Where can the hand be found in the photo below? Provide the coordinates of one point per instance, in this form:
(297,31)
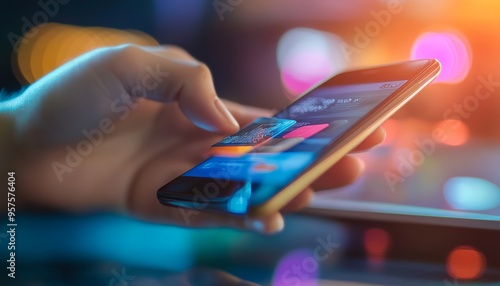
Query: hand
(109,128)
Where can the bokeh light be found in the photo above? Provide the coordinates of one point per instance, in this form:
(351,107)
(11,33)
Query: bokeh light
(471,194)
(376,242)
(298,267)
(465,262)
(451,49)
(53,44)
(455,132)
(307,56)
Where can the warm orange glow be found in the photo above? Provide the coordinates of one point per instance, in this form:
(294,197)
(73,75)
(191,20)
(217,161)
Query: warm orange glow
(230,150)
(465,262)
(83,41)
(40,49)
(141,38)
(50,59)
(24,55)
(51,45)
(405,130)
(454,132)
(376,242)
(479,11)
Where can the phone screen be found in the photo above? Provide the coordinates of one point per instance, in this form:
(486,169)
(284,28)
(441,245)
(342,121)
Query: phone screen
(252,165)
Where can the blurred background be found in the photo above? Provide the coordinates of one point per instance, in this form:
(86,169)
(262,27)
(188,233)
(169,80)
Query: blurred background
(266,53)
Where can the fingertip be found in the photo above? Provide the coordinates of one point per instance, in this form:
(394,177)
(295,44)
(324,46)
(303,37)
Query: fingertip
(279,224)
(382,134)
(361,164)
(212,116)
(227,121)
(268,225)
(355,170)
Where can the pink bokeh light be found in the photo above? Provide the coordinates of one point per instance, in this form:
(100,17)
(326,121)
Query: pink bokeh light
(308,56)
(305,70)
(451,49)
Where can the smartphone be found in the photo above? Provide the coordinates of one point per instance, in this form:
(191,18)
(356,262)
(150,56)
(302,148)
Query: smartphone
(260,168)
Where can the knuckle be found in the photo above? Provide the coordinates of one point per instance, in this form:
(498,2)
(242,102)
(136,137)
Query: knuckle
(175,48)
(126,53)
(201,71)
(129,50)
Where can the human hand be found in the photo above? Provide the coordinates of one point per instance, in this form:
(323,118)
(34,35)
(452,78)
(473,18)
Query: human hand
(109,128)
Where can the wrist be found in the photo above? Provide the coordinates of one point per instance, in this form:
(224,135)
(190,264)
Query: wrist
(10,143)
(7,133)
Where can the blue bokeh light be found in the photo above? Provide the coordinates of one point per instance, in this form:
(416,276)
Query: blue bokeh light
(471,194)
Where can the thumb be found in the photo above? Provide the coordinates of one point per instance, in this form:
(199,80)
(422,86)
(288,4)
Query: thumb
(175,79)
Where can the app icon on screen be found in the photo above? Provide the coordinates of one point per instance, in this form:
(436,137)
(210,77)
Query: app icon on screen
(264,167)
(257,132)
(306,131)
(230,151)
(254,134)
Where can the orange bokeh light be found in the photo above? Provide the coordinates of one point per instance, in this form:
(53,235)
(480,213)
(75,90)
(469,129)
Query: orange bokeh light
(41,48)
(455,132)
(465,262)
(51,45)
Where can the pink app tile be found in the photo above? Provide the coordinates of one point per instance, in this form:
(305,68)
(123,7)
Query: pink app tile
(306,131)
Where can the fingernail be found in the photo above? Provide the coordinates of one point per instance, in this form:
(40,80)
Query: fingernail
(261,227)
(224,112)
(361,164)
(280,224)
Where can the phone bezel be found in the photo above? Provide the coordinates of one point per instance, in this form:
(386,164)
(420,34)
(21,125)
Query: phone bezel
(422,73)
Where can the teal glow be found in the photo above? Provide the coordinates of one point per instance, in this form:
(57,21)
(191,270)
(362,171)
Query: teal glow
(471,194)
(105,237)
(238,204)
